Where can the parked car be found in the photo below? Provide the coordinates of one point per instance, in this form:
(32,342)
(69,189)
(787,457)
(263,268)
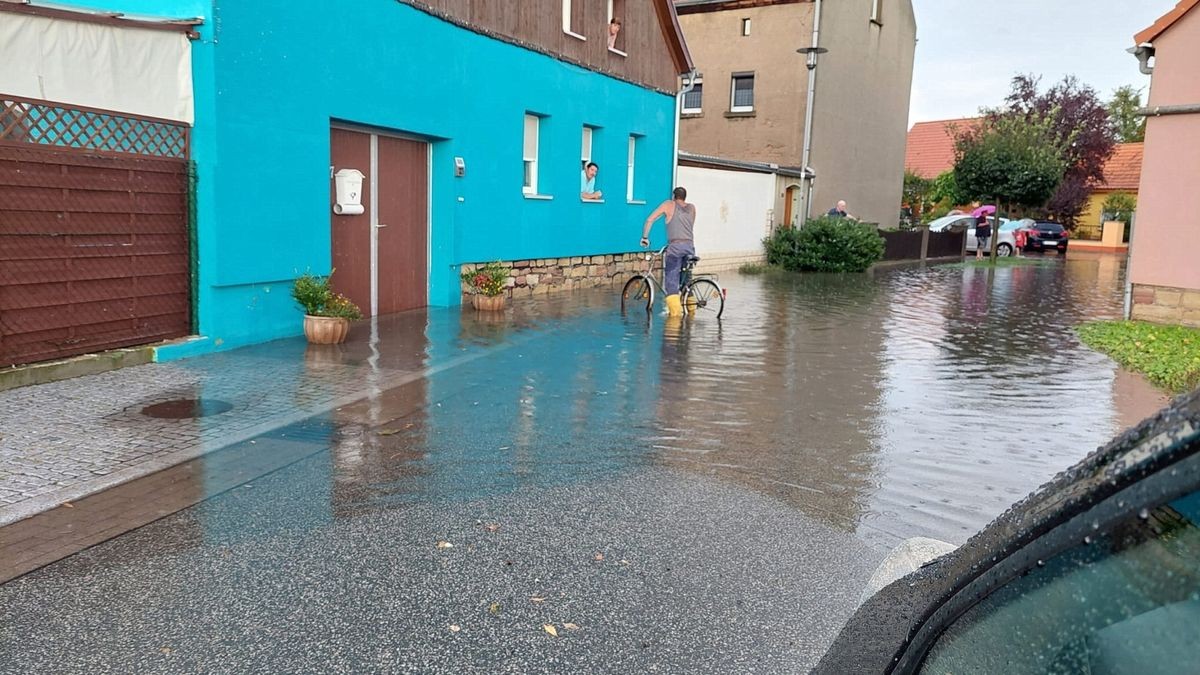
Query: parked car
(1004,247)
(1098,571)
(1047,236)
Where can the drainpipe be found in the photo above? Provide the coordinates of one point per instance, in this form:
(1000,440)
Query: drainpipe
(690,84)
(1144,52)
(813,50)
(1160,110)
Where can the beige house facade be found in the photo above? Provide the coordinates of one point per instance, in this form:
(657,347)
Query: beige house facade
(1162,269)
(751,100)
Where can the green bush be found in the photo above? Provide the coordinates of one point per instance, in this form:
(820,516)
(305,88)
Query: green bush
(825,245)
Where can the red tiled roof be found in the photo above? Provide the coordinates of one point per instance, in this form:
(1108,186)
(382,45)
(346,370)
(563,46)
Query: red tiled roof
(1165,21)
(1123,171)
(930,149)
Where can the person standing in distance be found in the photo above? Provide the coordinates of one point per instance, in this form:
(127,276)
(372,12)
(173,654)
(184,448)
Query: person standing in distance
(680,216)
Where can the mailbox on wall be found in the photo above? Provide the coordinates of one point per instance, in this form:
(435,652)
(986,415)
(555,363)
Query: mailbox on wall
(348,190)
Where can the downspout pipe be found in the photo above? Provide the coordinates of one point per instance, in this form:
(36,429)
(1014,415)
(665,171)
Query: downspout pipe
(806,190)
(1180,109)
(688,85)
(1144,52)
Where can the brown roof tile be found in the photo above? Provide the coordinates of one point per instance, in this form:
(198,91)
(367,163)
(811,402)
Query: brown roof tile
(1123,170)
(930,149)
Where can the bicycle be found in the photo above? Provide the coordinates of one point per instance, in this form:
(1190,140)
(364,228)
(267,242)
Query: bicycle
(696,292)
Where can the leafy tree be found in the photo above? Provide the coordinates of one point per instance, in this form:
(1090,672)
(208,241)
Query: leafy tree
(1080,129)
(1010,158)
(916,193)
(1128,126)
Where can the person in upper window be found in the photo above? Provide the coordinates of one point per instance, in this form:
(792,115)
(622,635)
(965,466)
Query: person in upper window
(614,28)
(587,182)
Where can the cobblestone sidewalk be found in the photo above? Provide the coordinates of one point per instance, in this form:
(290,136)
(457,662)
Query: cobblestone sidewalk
(64,440)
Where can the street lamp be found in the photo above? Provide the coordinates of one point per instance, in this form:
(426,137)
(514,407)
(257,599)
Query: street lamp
(810,54)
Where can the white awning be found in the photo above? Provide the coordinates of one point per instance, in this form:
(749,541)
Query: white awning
(121,68)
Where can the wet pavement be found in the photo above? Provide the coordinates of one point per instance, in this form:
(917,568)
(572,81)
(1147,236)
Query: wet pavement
(694,496)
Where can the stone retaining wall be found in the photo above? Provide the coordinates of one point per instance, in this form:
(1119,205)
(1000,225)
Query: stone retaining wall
(1162,304)
(551,275)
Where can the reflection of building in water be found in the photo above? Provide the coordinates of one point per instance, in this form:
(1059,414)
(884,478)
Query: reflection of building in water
(783,402)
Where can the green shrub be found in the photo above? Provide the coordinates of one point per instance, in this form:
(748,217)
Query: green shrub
(825,245)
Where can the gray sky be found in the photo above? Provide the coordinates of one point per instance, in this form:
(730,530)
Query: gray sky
(969,50)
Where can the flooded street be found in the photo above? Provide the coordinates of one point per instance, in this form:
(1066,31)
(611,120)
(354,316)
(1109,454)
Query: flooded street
(691,496)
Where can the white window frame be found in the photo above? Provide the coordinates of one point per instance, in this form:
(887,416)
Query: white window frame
(566,20)
(733,88)
(530,163)
(631,164)
(746,27)
(877,12)
(611,13)
(585,154)
(683,104)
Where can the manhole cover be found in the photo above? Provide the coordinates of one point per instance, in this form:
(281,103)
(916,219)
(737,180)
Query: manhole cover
(187,408)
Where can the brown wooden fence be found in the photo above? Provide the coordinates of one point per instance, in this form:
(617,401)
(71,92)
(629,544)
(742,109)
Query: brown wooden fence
(913,245)
(94,231)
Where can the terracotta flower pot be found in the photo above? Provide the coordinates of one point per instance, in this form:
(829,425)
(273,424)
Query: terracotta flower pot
(325,330)
(487,303)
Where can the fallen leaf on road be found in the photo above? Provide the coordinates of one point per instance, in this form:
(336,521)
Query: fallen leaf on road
(445,544)
(599,556)
(388,432)
(494,608)
(537,599)
(549,628)
(624,562)
(570,626)
(165,650)
(69,505)
(491,527)
(454,628)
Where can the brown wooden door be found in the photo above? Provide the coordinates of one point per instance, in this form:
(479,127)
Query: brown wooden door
(350,236)
(396,170)
(403,217)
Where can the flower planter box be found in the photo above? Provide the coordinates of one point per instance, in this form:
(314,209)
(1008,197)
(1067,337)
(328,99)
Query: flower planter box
(325,330)
(487,303)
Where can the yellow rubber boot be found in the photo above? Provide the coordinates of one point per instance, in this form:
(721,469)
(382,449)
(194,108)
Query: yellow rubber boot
(674,307)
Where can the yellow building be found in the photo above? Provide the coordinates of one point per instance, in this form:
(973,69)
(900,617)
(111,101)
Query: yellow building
(1122,173)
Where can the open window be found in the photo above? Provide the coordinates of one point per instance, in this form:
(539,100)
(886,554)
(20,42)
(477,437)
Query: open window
(616,27)
(572,18)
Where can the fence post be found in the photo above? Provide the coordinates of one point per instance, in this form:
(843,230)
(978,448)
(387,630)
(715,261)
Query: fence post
(924,243)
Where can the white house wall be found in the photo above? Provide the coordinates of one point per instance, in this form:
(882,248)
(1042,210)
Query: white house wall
(733,214)
(125,69)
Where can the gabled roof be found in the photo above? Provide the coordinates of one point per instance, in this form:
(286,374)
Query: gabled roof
(1123,170)
(930,148)
(673,33)
(1165,22)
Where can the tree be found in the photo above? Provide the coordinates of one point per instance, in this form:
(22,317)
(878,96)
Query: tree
(1119,206)
(916,193)
(1010,158)
(1080,129)
(1128,126)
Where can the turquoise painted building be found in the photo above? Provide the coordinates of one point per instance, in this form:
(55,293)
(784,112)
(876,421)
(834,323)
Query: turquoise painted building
(442,95)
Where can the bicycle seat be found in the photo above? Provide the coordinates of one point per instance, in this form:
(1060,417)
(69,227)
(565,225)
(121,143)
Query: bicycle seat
(692,260)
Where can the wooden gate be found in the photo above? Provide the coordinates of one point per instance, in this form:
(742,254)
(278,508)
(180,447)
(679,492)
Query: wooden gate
(94,231)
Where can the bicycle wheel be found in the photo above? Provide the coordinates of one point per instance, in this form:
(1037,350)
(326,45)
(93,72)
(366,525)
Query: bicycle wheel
(704,296)
(637,292)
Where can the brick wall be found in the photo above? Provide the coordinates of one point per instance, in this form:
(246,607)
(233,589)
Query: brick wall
(552,275)
(1162,304)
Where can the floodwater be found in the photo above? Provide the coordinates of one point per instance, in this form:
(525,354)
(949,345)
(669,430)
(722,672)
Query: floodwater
(690,495)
